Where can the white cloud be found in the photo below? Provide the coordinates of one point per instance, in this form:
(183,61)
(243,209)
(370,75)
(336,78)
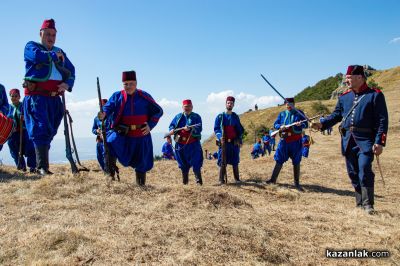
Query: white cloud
(164,103)
(395,40)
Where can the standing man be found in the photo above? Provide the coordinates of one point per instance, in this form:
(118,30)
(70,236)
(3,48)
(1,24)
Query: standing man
(266,141)
(228,124)
(187,142)
(49,73)
(97,130)
(16,113)
(363,115)
(272,141)
(290,145)
(167,150)
(133,114)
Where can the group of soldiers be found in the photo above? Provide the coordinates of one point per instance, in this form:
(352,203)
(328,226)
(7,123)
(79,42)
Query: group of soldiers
(130,114)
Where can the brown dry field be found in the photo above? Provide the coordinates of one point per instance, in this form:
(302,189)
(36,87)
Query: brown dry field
(80,220)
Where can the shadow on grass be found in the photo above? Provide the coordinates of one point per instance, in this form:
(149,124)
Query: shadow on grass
(6,177)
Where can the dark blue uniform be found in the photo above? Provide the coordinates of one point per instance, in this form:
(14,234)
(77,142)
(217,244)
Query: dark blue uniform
(99,142)
(168,151)
(230,123)
(364,126)
(306,145)
(15,113)
(267,144)
(133,111)
(188,148)
(257,151)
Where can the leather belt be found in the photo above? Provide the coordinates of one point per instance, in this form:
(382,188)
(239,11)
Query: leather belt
(134,127)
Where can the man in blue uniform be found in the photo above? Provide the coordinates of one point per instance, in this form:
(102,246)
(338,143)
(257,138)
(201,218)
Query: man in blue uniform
(97,130)
(305,140)
(257,150)
(3,104)
(266,142)
(16,113)
(290,145)
(48,74)
(167,150)
(272,141)
(363,118)
(187,142)
(228,124)
(133,114)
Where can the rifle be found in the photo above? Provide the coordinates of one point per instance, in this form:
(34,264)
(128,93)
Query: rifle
(68,149)
(21,144)
(292,124)
(223,158)
(110,167)
(177,129)
(75,150)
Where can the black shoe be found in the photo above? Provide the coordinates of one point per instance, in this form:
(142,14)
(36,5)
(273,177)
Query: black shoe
(32,170)
(44,172)
(270,181)
(299,188)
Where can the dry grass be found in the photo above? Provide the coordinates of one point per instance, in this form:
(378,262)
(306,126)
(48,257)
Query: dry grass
(79,220)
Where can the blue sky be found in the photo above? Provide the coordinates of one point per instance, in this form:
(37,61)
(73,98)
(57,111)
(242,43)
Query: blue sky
(203,50)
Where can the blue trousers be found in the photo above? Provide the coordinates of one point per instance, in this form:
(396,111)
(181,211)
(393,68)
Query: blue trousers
(43,116)
(292,150)
(28,148)
(359,166)
(136,152)
(189,155)
(232,154)
(268,148)
(100,154)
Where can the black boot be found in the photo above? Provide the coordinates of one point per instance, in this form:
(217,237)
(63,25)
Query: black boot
(296,173)
(198,177)
(275,174)
(367,197)
(140,178)
(358,197)
(236,173)
(185,178)
(41,153)
(222,174)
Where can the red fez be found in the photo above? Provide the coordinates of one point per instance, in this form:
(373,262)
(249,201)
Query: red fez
(289,100)
(128,75)
(187,102)
(230,99)
(48,24)
(355,70)
(103,101)
(14,91)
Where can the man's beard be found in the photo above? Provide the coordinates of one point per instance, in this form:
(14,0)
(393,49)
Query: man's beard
(229,108)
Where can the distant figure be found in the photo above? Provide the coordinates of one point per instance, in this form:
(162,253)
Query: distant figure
(257,150)
(256,107)
(272,141)
(266,142)
(167,150)
(321,120)
(363,117)
(306,144)
(329,131)
(210,157)
(205,153)
(16,112)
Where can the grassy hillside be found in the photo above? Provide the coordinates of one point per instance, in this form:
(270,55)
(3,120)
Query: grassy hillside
(322,90)
(83,220)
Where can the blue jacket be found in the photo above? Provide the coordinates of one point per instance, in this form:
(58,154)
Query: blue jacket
(114,108)
(38,64)
(288,117)
(223,120)
(14,113)
(371,113)
(181,120)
